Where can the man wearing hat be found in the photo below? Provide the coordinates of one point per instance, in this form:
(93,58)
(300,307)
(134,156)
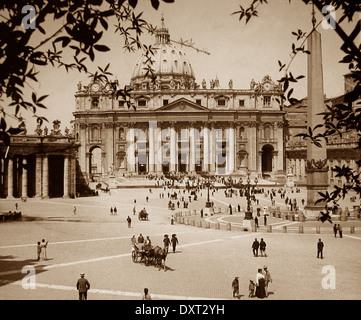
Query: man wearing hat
(235,286)
(82,286)
(267,278)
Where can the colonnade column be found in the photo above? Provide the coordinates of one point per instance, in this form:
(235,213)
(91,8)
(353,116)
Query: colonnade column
(10,179)
(45,177)
(24,179)
(66,177)
(38,176)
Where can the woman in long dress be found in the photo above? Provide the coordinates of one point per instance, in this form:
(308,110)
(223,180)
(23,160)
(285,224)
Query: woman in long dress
(260,285)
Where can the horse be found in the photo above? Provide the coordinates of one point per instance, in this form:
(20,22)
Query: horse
(159,255)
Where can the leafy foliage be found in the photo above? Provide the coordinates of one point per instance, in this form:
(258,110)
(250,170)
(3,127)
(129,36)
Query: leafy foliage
(339,118)
(82,24)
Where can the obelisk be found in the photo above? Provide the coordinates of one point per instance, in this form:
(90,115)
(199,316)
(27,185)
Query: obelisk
(316,164)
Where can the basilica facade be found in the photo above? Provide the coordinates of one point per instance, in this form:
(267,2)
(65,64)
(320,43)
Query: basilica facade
(178,125)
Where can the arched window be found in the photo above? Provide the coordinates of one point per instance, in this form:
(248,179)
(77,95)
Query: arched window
(121,134)
(241,133)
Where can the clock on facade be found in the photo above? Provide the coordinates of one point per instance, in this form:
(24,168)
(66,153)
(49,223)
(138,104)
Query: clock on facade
(109,87)
(95,87)
(267,86)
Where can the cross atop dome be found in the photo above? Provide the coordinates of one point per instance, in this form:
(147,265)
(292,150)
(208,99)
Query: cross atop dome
(162,34)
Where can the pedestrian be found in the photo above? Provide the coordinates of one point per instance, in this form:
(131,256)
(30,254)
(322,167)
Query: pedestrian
(140,238)
(166,242)
(16,206)
(267,279)
(74,210)
(335,230)
(129,222)
(111,211)
(260,285)
(265,219)
(38,250)
(43,246)
(115,210)
(146,295)
(262,248)
(147,198)
(174,242)
(256,221)
(133,240)
(83,286)
(251,288)
(255,246)
(235,286)
(320,246)
(339,230)
(134,211)
(172,220)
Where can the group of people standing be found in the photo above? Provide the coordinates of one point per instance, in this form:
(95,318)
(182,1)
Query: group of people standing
(259,245)
(41,250)
(337,229)
(257,288)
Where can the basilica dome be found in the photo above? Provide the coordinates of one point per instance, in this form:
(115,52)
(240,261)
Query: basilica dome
(170,65)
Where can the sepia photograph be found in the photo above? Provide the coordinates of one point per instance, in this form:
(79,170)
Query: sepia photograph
(194,152)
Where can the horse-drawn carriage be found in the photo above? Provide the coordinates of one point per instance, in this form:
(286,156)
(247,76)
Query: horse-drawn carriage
(148,254)
(143,215)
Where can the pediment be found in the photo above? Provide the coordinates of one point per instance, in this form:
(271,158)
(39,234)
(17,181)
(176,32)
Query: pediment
(182,105)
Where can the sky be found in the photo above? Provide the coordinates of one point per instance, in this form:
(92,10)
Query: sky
(238,51)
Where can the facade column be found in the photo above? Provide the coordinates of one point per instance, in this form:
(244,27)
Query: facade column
(131,150)
(212,158)
(192,148)
(38,177)
(10,179)
(66,177)
(24,179)
(173,148)
(151,152)
(159,158)
(45,177)
(231,150)
(206,155)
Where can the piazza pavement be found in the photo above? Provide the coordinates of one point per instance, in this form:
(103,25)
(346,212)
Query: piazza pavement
(203,267)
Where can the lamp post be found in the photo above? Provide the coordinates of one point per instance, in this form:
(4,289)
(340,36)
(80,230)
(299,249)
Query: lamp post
(208,208)
(247,188)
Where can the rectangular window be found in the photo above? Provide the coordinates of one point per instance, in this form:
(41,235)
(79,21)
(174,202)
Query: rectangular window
(142,103)
(241,103)
(165,102)
(95,103)
(266,101)
(221,102)
(121,103)
(199,102)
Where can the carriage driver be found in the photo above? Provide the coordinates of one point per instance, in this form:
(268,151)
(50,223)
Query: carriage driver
(147,243)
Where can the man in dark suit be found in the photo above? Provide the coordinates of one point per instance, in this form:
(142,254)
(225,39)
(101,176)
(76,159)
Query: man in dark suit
(320,246)
(82,286)
(255,246)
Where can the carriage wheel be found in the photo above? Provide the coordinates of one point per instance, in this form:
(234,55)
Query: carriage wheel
(134,256)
